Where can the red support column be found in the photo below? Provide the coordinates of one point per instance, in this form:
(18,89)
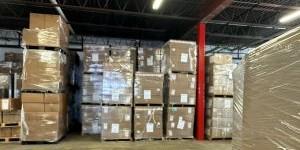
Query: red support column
(200,102)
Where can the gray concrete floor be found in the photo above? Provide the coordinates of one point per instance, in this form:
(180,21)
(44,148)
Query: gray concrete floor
(78,142)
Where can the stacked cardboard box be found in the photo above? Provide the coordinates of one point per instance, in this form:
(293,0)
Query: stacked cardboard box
(219,103)
(148,109)
(91,119)
(44,79)
(270,103)
(149,60)
(179,66)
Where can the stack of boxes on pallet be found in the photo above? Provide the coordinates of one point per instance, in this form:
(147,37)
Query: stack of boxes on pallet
(44,79)
(92,89)
(179,65)
(10,104)
(117,94)
(148,96)
(220,102)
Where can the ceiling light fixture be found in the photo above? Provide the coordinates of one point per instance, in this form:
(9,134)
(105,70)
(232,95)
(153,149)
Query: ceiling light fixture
(290,17)
(156,4)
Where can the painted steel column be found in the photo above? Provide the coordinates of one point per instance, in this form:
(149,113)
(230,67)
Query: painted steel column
(200,95)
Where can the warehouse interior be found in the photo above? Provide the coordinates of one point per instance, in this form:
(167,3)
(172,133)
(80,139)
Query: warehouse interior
(166,74)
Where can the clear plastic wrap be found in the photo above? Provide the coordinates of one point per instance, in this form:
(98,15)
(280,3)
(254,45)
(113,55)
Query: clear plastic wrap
(46,30)
(116,122)
(149,60)
(4,85)
(182,89)
(122,54)
(44,70)
(43,116)
(219,59)
(12,116)
(117,83)
(91,119)
(94,58)
(219,118)
(180,122)
(179,56)
(148,88)
(92,88)
(271,103)
(148,122)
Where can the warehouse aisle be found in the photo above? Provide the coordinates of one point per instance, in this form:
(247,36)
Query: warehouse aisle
(78,142)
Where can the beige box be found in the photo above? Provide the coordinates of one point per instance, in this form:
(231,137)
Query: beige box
(15,132)
(116,122)
(149,60)
(94,58)
(182,89)
(148,122)
(218,132)
(180,122)
(179,56)
(5,132)
(120,54)
(44,70)
(11,116)
(148,88)
(219,59)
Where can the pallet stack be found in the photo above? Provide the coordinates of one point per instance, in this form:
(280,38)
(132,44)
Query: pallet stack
(92,89)
(44,79)
(117,94)
(219,104)
(179,65)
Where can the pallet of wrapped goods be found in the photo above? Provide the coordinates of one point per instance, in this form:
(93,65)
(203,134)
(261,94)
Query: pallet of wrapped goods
(91,116)
(270,109)
(92,88)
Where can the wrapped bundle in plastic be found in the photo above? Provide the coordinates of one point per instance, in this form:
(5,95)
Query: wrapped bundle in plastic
(148,88)
(92,88)
(149,60)
(122,54)
(94,57)
(91,119)
(148,122)
(179,56)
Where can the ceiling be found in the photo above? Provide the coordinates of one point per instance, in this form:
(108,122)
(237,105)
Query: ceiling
(244,23)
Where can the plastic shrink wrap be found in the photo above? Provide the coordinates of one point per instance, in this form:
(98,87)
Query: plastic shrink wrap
(91,119)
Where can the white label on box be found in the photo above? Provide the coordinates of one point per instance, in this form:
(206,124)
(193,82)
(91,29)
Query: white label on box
(5,104)
(141,51)
(141,63)
(115,128)
(84,92)
(137,116)
(105,110)
(173,49)
(192,100)
(189,110)
(189,125)
(95,57)
(183,98)
(115,96)
(180,118)
(149,127)
(193,79)
(127,117)
(180,124)
(105,126)
(150,61)
(171,118)
(172,125)
(173,76)
(184,57)
(126,133)
(149,112)
(158,89)
(170,133)
(192,86)
(95,97)
(173,91)
(138,131)
(227,104)
(95,127)
(147,94)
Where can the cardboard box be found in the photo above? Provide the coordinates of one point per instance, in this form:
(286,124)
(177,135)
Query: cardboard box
(91,119)
(148,88)
(120,54)
(149,60)
(148,122)
(9,104)
(117,83)
(220,59)
(179,56)
(13,57)
(11,116)
(116,122)
(5,132)
(52,125)
(92,88)
(94,57)
(181,88)
(5,85)
(180,122)
(218,132)
(15,132)
(44,70)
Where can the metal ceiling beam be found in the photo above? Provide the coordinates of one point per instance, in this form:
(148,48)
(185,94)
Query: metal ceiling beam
(236,36)
(213,8)
(270,5)
(99,10)
(246,24)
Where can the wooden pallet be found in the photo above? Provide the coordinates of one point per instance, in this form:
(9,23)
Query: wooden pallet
(44,47)
(178,138)
(150,139)
(16,124)
(9,139)
(116,140)
(212,139)
(162,105)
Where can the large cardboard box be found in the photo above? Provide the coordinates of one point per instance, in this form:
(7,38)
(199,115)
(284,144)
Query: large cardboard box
(220,59)
(179,56)
(94,58)
(5,132)
(92,88)
(149,60)
(148,122)
(120,54)
(46,30)
(91,116)
(148,88)
(180,122)
(181,89)
(117,83)
(11,116)
(116,122)
(44,70)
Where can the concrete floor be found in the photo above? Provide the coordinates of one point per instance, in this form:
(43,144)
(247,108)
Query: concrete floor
(78,142)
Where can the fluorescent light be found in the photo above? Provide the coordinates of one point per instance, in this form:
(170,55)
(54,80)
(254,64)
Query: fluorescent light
(290,17)
(156,4)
